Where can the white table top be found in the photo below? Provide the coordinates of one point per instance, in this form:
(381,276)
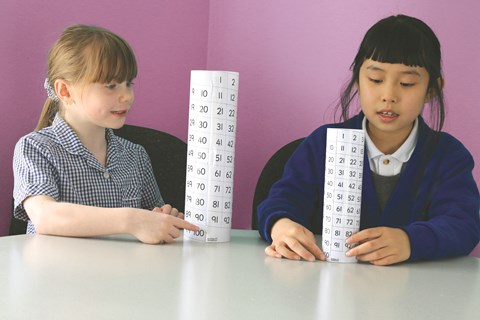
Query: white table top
(46,277)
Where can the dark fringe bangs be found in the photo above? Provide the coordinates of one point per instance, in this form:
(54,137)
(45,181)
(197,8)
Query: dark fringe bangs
(395,45)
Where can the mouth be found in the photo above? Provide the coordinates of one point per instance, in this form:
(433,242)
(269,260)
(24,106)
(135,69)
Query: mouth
(387,114)
(119,112)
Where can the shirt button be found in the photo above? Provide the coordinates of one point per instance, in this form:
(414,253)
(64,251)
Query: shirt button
(106,175)
(386,161)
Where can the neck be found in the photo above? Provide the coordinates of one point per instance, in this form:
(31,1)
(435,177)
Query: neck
(92,137)
(388,142)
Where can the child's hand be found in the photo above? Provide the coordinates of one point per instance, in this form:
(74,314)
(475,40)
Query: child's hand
(168,209)
(380,246)
(162,225)
(293,241)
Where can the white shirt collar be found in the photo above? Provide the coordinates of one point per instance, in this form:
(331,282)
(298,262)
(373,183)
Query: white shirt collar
(390,165)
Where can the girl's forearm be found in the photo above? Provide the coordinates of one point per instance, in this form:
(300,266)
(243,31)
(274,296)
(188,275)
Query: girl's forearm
(68,219)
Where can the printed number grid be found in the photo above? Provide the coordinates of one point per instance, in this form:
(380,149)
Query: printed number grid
(343,191)
(211,153)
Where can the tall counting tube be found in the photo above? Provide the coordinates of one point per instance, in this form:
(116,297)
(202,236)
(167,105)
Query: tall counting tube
(211,153)
(343,191)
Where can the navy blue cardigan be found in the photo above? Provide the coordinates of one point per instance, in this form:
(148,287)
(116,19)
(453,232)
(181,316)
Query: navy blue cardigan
(436,200)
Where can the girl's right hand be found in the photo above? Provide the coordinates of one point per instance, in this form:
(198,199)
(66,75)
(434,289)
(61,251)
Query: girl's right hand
(168,209)
(160,226)
(293,241)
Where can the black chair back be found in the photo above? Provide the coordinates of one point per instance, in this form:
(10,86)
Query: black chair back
(272,172)
(17,226)
(168,155)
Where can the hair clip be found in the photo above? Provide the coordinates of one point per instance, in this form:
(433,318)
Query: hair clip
(50,91)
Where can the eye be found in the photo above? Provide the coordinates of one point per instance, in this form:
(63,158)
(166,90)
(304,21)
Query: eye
(407,84)
(377,81)
(111,86)
(129,84)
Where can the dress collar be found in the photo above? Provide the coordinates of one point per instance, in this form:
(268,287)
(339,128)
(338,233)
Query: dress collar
(72,144)
(66,136)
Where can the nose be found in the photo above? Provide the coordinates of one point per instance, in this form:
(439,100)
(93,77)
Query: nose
(389,95)
(127,95)
(389,100)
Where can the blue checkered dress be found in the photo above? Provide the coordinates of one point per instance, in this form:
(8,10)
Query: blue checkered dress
(54,162)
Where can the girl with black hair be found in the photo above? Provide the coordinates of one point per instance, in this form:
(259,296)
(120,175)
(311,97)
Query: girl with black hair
(419,198)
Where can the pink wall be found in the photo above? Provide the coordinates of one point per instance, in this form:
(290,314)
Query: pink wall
(292,57)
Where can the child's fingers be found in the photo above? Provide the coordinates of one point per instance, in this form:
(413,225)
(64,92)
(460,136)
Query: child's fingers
(316,251)
(270,251)
(182,224)
(167,239)
(385,261)
(371,254)
(308,241)
(176,213)
(286,252)
(364,235)
(174,232)
(381,257)
(300,249)
(365,248)
(166,208)
(381,246)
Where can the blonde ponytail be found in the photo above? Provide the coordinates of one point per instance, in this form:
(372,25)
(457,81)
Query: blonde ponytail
(50,108)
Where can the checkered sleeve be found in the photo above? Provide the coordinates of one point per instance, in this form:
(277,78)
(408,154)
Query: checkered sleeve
(151,196)
(34,174)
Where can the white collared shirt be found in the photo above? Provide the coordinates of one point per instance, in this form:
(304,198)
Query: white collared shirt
(391,164)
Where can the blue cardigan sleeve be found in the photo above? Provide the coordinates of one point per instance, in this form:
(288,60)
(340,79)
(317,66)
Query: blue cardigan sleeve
(299,193)
(452,226)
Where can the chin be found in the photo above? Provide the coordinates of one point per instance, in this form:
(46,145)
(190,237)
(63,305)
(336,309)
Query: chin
(116,127)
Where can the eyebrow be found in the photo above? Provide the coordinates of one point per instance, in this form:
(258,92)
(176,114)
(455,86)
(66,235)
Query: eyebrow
(408,72)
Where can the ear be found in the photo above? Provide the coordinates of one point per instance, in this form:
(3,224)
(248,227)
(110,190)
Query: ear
(63,91)
(430,94)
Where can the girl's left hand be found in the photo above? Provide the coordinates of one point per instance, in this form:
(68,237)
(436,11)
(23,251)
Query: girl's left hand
(380,246)
(168,209)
